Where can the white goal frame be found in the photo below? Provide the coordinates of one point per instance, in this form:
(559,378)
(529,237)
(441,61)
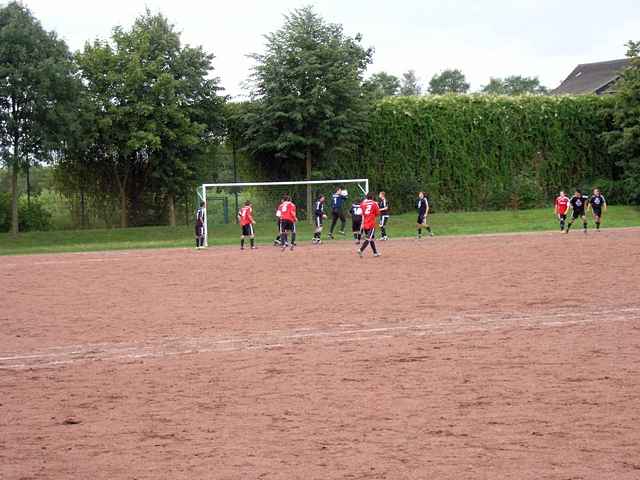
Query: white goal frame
(202,191)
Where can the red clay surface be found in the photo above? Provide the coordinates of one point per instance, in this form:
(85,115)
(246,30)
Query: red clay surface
(487,357)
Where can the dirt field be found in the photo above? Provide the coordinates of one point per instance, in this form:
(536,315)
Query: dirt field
(487,357)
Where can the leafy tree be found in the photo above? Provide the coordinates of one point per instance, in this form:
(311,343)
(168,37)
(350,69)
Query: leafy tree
(310,96)
(624,140)
(410,84)
(37,92)
(514,85)
(448,81)
(156,111)
(382,84)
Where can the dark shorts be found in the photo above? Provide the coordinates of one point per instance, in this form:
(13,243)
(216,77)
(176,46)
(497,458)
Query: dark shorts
(597,212)
(356,224)
(287,226)
(563,216)
(247,230)
(383,220)
(421,218)
(578,214)
(199,230)
(319,221)
(370,234)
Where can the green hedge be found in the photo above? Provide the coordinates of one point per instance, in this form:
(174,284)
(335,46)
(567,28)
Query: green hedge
(483,152)
(31,216)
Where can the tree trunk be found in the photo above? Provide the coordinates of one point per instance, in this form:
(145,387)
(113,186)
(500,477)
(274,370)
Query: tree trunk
(28,185)
(309,199)
(83,223)
(124,214)
(172,209)
(14,197)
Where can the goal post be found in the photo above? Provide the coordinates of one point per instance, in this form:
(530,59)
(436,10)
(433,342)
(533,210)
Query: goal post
(361,183)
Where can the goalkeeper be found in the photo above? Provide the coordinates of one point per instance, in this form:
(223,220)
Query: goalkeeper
(337,203)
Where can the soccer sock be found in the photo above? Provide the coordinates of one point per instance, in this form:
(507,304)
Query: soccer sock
(584,225)
(561,224)
(384,231)
(253,242)
(569,226)
(597,225)
(364,245)
(197,242)
(429,228)
(283,239)
(293,237)
(419,231)
(242,243)
(373,246)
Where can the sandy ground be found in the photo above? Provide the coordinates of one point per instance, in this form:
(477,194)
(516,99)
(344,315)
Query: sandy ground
(482,357)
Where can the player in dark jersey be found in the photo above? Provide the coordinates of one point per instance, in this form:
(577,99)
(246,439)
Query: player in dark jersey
(337,201)
(578,203)
(200,219)
(597,204)
(356,220)
(423,211)
(319,217)
(383,204)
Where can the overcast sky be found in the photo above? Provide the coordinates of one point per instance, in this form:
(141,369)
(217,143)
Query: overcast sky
(483,38)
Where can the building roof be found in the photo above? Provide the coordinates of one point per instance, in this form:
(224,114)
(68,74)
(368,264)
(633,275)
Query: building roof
(592,77)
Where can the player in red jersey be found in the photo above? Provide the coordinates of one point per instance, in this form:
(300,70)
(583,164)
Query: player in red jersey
(370,211)
(288,221)
(561,209)
(245,217)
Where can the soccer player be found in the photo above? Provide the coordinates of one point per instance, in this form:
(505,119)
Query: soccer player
(561,209)
(384,215)
(277,241)
(597,204)
(423,211)
(370,212)
(245,216)
(337,200)
(319,219)
(577,205)
(200,219)
(356,220)
(288,221)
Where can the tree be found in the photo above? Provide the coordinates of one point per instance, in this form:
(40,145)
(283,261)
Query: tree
(382,84)
(514,85)
(624,140)
(37,91)
(448,81)
(410,84)
(156,111)
(310,96)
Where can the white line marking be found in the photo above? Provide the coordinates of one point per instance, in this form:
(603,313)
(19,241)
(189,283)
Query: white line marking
(171,346)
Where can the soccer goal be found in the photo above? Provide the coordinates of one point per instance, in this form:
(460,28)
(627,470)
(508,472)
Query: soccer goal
(265,197)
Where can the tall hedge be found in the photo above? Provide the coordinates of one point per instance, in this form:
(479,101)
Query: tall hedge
(476,152)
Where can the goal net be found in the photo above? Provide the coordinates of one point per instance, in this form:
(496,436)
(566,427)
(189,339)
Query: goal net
(223,200)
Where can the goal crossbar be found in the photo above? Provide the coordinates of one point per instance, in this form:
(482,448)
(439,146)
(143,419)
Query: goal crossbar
(202,191)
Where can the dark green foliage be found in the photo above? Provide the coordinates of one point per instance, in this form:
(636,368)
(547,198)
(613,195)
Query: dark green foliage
(37,93)
(482,152)
(153,117)
(514,85)
(309,85)
(33,216)
(448,81)
(382,84)
(624,139)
